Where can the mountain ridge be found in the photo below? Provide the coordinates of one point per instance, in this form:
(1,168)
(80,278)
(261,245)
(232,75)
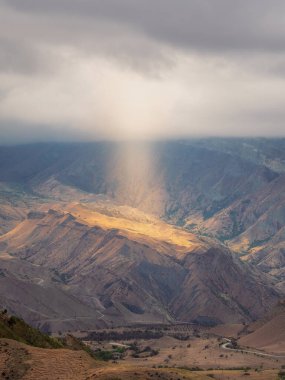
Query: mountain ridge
(138,228)
(153,278)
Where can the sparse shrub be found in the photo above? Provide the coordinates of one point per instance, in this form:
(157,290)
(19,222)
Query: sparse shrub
(191,368)
(12,321)
(103,355)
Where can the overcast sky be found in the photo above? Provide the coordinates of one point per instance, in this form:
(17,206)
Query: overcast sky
(115,69)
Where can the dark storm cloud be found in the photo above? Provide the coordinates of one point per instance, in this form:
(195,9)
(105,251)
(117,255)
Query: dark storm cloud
(190,24)
(174,67)
(138,32)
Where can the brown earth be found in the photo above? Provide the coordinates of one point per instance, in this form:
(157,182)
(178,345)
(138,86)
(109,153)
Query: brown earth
(269,333)
(201,352)
(19,361)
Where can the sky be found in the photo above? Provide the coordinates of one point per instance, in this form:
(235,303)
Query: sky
(82,70)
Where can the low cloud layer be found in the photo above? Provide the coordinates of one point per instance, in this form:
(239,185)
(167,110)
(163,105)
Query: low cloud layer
(119,69)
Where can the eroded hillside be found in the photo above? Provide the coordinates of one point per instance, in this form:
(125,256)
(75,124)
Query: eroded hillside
(91,269)
(87,240)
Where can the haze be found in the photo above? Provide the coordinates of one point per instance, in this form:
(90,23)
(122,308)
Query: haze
(128,69)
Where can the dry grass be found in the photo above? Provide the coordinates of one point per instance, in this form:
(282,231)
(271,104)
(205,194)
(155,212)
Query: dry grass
(203,353)
(19,361)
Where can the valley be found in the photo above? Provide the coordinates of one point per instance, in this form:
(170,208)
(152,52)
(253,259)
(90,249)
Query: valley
(177,238)
(162,352)
(142,190)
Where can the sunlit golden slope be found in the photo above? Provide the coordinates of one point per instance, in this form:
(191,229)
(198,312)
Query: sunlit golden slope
(137,224)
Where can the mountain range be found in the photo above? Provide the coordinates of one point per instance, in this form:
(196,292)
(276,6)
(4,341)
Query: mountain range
(103,234)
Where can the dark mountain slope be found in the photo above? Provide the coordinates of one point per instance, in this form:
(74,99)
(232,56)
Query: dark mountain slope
(184,179)
(255,225)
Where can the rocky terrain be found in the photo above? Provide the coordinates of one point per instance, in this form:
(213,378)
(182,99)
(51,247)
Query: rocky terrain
(94,270)
(100,234)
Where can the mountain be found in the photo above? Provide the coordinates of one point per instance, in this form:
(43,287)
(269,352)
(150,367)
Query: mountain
(126,270)
(14,205)
(35,293)
(254,226)
(184,179)
(102,233)
(267,152)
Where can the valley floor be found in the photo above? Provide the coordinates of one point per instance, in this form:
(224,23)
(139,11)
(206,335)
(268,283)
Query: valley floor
(198,357)
(19,361)
(203,353)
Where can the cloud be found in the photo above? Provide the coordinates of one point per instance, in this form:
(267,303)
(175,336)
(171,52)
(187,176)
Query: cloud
(199,24)
(89,69)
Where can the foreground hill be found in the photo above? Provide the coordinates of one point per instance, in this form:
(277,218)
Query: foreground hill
(17,329)
(89,269)
(19,361)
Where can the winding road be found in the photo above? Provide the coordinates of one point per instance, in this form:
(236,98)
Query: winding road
(228,341)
